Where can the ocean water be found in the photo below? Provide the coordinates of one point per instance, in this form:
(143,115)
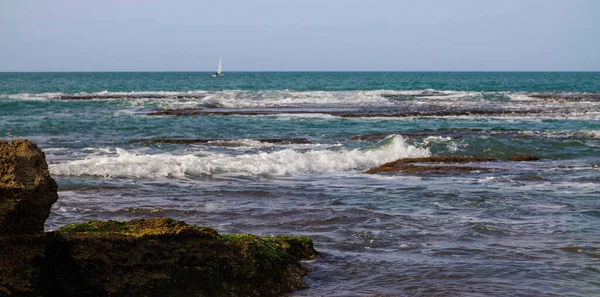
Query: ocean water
(278,153)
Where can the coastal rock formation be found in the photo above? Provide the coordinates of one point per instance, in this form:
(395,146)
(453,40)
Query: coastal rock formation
(406,166)
(145,257)
(26,194)
(348,113)
(523,157)
(188,111)
(376,136)
(163,257)
(21,260)
(224,142)
(26,189)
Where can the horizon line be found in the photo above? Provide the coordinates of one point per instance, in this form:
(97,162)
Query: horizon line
(300,71)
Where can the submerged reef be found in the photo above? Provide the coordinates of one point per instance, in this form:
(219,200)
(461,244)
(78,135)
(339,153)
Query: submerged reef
(407,165)
(141,257)
(431,165)
(224,142)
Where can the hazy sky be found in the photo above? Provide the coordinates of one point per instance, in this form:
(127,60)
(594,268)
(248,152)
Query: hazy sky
(272,35)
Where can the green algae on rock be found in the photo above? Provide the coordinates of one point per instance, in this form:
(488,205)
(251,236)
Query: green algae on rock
(135,227)
(164,257)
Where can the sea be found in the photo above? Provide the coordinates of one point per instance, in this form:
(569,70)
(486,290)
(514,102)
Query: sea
(274,153)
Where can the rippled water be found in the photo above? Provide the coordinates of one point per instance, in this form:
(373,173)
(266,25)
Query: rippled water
(516,229)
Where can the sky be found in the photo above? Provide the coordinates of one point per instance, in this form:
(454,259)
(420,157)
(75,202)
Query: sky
(300,35)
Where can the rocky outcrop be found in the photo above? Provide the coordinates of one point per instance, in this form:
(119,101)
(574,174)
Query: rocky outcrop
(223,141)
(523,157)
(431,165)
(350,113)
(151,257)
(26,189)
(21,260)
(163,257)
(369,137)
(26,194)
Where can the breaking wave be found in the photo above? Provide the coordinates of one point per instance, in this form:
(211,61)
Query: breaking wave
(284,162)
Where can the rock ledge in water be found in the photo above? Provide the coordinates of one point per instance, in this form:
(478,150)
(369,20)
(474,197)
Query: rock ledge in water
(523,157)
(164,257)
(405,166)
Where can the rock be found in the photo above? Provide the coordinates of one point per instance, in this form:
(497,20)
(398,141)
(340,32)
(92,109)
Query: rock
(350,113)
(446,159)
(523,157)
(188,111)
(405,166)
(224,142)
(26,189)
(21,260)
(368,137)
(528,178)
(152,257)
(163,257)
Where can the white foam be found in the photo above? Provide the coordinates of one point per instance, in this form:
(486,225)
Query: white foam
(284,162)
(34,97)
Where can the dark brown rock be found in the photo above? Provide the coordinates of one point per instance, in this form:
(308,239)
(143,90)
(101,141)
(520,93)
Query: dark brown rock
(523,157)
(163,257)
(190,111)
(223,142)
(21,260)
(406,166)
(447,159)
(26,189)
(344,113)
(566,96)
(376,136)
(528,178)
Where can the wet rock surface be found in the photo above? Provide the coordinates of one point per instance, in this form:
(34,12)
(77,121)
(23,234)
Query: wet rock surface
(460,133)
(527,178)
(431,165)
(224,142)
(566,96)
(407,165)
(190,111)
(351,113)
(523,157)
(126,96)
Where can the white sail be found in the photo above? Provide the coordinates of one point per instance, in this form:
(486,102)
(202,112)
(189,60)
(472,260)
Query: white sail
(219,72)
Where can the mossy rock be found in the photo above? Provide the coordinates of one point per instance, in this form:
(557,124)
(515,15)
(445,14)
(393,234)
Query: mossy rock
(135,227)
(164,257)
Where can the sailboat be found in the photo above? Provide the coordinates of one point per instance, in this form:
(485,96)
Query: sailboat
(218,73)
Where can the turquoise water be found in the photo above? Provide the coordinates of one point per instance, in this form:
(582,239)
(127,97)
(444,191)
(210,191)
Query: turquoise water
(519,229)
(13,83)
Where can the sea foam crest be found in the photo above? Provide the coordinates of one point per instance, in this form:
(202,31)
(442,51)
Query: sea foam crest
(287,161)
